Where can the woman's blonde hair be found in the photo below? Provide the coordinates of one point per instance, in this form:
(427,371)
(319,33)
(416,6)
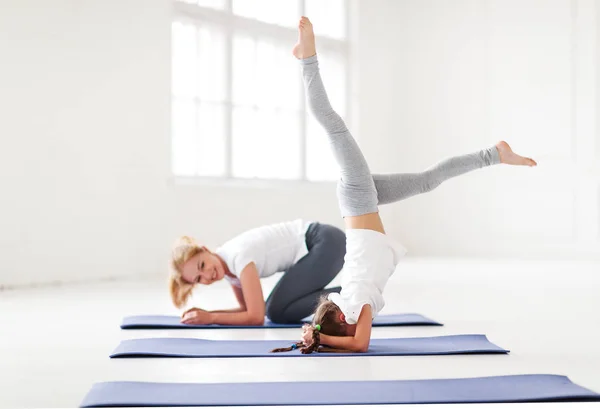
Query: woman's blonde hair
(183,249)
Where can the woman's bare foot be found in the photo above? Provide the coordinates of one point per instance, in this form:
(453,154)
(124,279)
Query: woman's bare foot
(306,40)
(510,158)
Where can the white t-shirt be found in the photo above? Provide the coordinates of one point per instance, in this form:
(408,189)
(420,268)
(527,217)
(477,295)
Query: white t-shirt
(273,248)
(371,258)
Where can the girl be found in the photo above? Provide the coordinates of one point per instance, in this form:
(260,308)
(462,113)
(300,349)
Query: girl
(311,254)
(343,321)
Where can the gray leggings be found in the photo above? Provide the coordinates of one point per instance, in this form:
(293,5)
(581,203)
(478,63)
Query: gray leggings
(297,293)
(359,192)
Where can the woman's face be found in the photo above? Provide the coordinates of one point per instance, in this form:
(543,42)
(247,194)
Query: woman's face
(204,268)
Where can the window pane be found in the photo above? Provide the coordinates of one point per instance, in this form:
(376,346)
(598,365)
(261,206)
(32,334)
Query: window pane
(328,17)
(267,78)
(211,64)
(266,120)
(215,4)
(245,142)
(244,66)
(211,145)
(280,12)
(266,143)
(265,74)
(277,76)
(184,143)
(184,69)
(320,164)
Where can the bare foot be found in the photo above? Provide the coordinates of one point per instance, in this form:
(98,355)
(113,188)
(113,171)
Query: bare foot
(510,158)
(306,40)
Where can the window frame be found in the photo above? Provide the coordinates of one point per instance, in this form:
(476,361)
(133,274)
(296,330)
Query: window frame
(230,24)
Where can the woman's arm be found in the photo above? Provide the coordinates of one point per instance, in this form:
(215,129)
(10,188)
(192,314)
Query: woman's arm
(250,297)
(360,341)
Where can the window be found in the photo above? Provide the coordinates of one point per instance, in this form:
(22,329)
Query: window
(238,108)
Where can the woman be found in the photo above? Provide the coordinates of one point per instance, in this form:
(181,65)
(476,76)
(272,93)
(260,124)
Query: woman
(310,254)
(343,321)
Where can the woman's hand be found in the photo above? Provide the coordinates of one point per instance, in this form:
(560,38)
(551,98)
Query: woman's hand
(196,316)
(190,310)
(307,335)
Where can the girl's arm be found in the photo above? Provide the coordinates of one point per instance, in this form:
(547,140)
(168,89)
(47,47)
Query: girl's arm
(250,297)
(360,341)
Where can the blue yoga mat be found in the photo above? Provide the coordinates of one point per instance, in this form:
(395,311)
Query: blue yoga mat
(496,389)
(173,322)
(203,348)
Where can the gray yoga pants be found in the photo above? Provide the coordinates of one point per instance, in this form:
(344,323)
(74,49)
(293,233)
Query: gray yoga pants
(359,192)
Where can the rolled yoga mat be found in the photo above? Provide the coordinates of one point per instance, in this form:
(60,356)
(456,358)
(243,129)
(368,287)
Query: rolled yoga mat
(496,389)
(203,348)
(173,322)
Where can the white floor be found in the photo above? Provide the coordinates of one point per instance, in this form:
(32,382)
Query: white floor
(55,341)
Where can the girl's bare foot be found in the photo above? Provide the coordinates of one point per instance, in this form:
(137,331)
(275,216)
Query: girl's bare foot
(510,158)
(306,40)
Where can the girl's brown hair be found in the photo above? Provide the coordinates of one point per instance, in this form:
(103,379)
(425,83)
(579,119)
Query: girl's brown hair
(327,317)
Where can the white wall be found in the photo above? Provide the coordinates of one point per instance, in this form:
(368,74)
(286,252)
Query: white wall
(84,107)
(85,162)
(442,78)
(84,126)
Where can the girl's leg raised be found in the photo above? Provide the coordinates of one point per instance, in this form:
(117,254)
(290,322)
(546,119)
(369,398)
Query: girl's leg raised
(394,187)
(356,190)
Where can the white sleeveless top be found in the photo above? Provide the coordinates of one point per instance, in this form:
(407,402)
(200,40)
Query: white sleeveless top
(371,258)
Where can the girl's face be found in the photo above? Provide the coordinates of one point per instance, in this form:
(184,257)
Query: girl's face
(349,328)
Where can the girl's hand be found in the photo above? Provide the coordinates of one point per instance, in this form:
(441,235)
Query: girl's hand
(196,316)
(307,335)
